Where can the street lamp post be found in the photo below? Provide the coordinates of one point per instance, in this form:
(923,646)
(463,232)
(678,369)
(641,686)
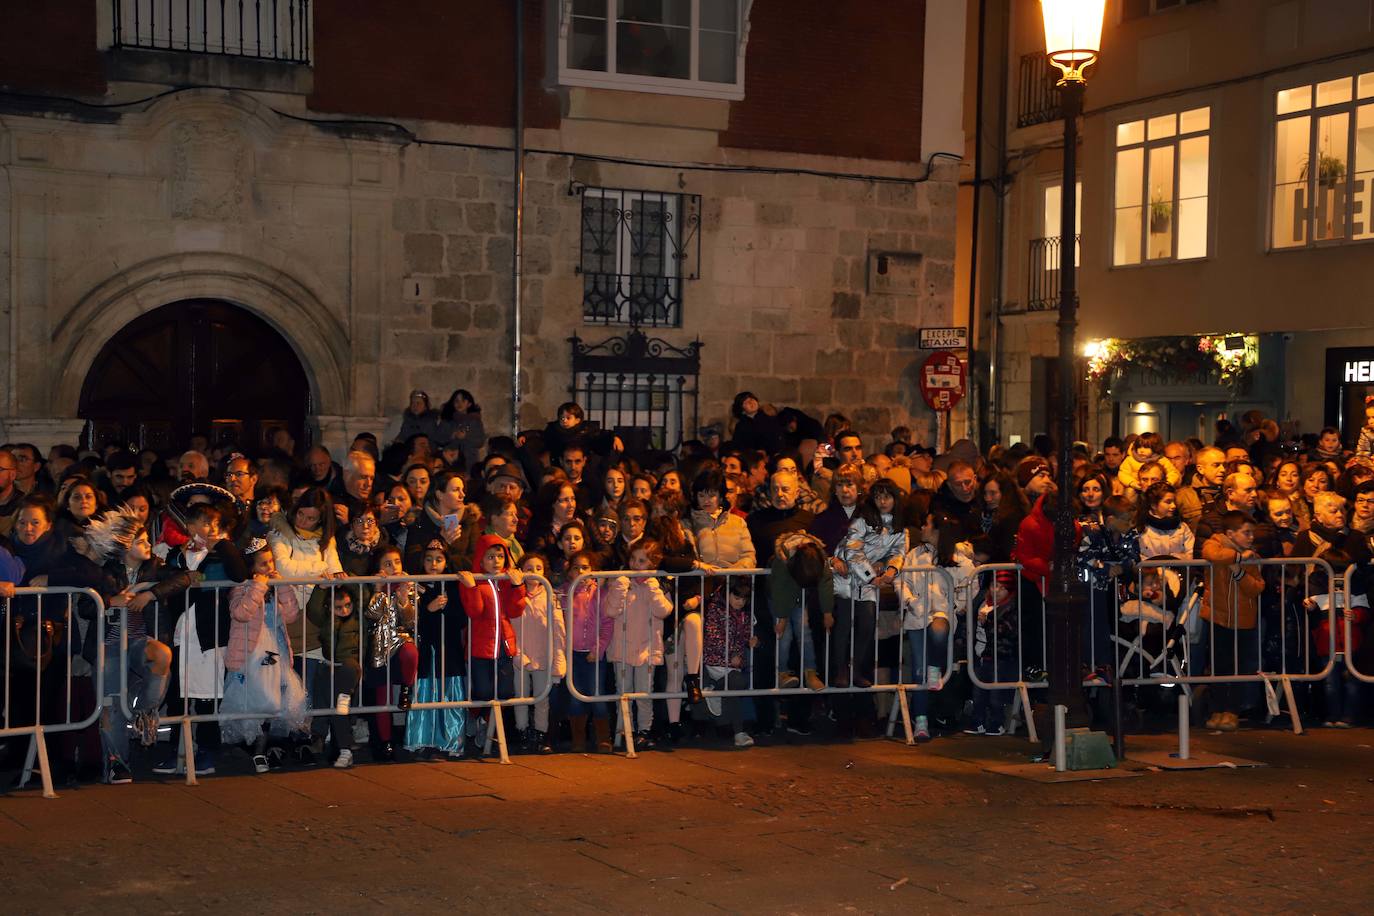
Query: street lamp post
(1073,31)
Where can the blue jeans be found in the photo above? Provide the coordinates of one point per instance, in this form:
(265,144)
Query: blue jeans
(928,643)
(592,678)
(146,691)
(796,623)
(1342,693)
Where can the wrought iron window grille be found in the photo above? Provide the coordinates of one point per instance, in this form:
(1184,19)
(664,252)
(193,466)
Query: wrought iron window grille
(638,247)
(1043,277)
(1037,92)
(644,389)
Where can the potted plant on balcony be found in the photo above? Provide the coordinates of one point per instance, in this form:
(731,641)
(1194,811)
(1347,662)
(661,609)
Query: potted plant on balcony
(1330,169)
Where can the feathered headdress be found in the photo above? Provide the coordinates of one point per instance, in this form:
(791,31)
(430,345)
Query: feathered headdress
(108,537)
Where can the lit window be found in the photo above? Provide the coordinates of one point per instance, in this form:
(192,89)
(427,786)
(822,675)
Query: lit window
(1161,188)
(1319,131)
(682,47)
(637,248)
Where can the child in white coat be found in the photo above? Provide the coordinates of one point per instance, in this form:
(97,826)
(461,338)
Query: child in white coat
(637,605)
(536,667)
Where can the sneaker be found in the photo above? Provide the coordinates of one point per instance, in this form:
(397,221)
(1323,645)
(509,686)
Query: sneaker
(205,763)
(933,676)
(801,728)
(276,758)
(345,759)
(117,772)
(168,766)
(995,732)
(643,742)
(260,764)
(814,682)
(976,730)
(922,728)
(742,739)
(361,733)
(456,755)
(404,702)
(1214,721)
(1229,722)
(1342,723)
(342,703)
(787,680)
(305,757)
(713,704)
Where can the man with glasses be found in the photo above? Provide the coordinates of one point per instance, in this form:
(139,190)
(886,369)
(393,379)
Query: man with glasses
(29,463)
(241,479)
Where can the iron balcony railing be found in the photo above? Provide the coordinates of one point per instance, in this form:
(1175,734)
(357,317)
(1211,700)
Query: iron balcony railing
(1042,282)
(1037,94)
(277,30)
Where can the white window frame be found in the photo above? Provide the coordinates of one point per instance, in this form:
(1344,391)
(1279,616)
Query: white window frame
(1314,113)
(609,79)
(1146,145)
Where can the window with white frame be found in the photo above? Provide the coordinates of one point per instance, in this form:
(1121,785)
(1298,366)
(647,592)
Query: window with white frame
(1160,195)
(1323,162)
(681,47)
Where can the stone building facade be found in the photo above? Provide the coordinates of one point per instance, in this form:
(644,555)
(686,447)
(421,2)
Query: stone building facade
(373,229)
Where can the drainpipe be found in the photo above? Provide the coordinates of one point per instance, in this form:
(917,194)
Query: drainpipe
(518,202)
(999,269)
(976,425)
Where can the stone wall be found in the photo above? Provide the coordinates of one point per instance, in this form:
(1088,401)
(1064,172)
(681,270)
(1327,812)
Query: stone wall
(387,264)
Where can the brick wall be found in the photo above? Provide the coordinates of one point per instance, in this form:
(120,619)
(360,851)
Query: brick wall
(433,59)
(830,83)
(49,46)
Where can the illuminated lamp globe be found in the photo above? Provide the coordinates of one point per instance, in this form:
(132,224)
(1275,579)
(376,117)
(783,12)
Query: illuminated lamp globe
(1073,35)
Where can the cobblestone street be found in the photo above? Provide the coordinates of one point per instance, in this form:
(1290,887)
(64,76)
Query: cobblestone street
(870,827)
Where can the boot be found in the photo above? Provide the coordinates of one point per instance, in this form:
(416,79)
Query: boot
(579,733)
(603,735)
(692,683)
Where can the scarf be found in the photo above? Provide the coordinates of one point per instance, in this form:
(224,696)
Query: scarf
(309,534)
(1164,524)
(359,546)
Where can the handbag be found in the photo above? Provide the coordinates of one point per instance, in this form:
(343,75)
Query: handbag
(36,646)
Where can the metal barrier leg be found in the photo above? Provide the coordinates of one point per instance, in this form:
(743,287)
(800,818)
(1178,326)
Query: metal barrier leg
(892,719)
(38,753)
(906,717)
(1292,705)
(188,750)
(1023,697)
(1060,763)
(626,732)
(1183,723)
(499,723)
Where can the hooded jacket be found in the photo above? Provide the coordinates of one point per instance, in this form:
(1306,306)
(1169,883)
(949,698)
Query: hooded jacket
(491,605)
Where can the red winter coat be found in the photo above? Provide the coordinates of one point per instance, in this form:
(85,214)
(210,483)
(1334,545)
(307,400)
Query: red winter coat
(1034,548)
(489,604)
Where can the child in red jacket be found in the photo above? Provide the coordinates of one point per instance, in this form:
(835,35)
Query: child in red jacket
(491,605)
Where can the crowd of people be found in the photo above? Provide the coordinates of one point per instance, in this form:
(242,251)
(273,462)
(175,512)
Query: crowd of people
(779,554)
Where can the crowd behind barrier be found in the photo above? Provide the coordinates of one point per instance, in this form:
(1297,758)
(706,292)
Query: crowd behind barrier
(452,595)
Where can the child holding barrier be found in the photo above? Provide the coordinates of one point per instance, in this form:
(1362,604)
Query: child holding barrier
(589,637)
(994,650)
(259,676)
(443,662)
(1342,689)
(491,605)
(729,637)
(537,668)
(929,609)
(637,638)
(392,658)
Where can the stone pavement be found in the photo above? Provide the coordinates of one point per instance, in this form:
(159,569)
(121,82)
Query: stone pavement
(870,826)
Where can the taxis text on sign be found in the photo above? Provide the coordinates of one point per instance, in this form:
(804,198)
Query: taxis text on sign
(944,338)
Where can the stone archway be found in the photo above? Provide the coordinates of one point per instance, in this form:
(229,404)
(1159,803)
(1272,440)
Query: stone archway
(317,337)
(193,367)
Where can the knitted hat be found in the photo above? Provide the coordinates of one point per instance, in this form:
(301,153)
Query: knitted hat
(1028,468)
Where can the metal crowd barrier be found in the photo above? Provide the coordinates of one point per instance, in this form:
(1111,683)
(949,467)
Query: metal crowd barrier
(1348,594)
(1158,641)
(61,682)
(761,683)
(362,590)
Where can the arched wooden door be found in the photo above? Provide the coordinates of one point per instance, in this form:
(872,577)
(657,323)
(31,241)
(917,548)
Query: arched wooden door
(195,367)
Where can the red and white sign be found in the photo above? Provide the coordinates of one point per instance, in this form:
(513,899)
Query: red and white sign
(942,380)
